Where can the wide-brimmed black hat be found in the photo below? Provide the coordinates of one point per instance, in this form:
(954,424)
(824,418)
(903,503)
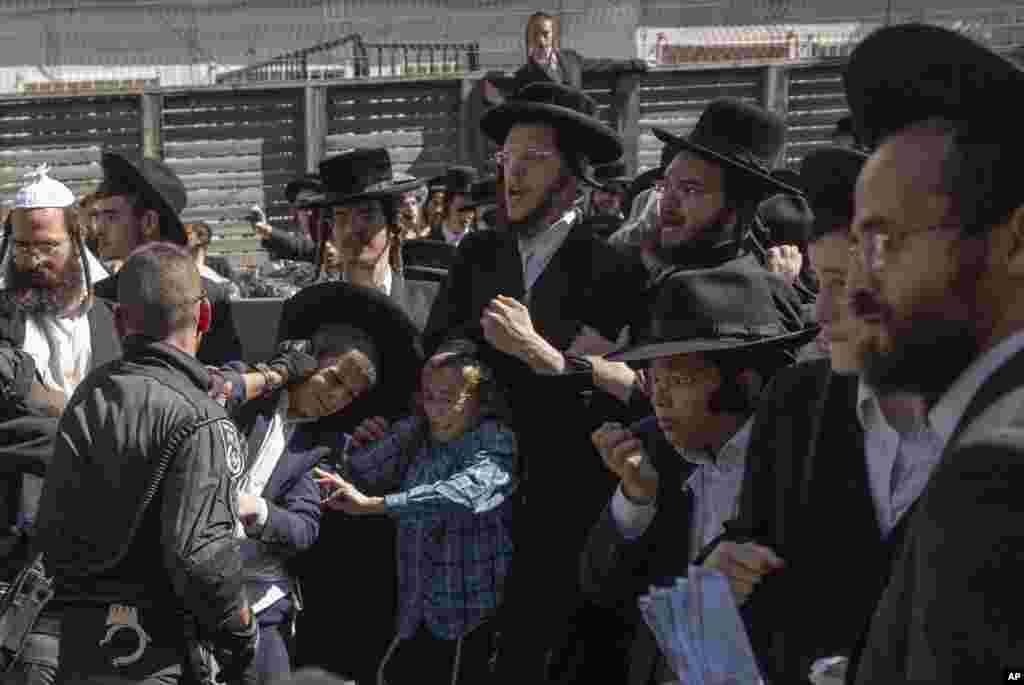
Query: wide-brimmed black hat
(436,184)
(361,174)
(459,179)
(737,306)
(738,135)
(570,111)
(392,331)
(788,218)
(483,193)
(433,254)
(828,176)
(908,73)
(152,179)
(308,184)
(613,176)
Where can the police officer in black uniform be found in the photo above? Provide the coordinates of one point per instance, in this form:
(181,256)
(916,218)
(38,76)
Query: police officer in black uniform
(139,512)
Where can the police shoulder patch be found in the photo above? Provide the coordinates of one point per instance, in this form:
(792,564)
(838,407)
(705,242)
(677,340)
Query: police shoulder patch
(234,448)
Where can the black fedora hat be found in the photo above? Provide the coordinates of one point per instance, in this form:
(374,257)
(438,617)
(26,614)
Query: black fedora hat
(788,218)
(459,179)
(569,110)
(483,193)
(739,135)
(903,74)
(737,306)
(828,176)
(360,174)
(306,184)
(436,184)
(392,331)
(614,176)
(434,254)
(152,179)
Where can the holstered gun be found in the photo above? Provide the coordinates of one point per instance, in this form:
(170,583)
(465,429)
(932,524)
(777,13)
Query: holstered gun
(20,606)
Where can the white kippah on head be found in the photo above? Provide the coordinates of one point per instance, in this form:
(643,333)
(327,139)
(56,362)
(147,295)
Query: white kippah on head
(43,191)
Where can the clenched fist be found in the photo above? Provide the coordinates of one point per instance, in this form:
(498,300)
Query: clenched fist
(624,455)
(786,261)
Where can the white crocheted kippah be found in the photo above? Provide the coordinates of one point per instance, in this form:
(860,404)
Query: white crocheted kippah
(43,191)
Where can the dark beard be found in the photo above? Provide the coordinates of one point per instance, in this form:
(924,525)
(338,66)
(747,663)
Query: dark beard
(910,365)
(714,243)
(34,297)
(535,222)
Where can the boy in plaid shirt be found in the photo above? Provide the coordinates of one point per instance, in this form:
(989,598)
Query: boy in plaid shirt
(450,469)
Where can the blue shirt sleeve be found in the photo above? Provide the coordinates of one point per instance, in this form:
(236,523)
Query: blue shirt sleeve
(487,479)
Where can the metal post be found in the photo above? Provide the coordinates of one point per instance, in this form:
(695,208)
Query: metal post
(151,111)
(316,125)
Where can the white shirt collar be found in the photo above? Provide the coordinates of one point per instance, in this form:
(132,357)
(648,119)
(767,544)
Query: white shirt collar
(950,408)
(551,238)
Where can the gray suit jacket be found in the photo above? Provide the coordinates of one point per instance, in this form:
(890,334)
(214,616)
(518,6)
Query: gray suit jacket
(953,611)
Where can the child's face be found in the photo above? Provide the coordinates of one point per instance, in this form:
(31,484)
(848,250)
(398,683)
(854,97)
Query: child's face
(449,401)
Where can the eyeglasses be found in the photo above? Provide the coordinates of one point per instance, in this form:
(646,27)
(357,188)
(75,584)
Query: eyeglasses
(873,246)
(506,156)
(684,193)
(45,248)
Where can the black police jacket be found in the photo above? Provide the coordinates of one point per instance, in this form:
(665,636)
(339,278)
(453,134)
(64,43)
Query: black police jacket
(139,505)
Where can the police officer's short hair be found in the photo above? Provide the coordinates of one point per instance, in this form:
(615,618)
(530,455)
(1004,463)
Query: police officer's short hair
(159,285)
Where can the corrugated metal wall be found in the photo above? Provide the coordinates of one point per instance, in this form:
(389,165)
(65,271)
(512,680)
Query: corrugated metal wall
(816,102)
(235,149)
(69,134)
(417,122)
(674,100)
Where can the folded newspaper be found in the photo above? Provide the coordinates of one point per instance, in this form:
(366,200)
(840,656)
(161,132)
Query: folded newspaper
(699,630)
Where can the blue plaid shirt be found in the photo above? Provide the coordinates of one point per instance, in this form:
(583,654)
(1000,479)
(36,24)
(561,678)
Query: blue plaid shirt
(452,506)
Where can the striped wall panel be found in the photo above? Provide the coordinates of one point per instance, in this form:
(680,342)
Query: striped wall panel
(816,102)
(70,134)
(417,122)
(234,149)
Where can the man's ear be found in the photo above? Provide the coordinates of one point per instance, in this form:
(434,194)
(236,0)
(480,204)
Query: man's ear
(150,226)
(1011,243)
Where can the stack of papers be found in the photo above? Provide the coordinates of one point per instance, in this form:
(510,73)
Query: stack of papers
(699,630)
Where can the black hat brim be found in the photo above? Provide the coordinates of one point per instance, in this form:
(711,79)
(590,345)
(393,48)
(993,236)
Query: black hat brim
(393,333)
(769,182)
(900,75)
(658,350)
(308,185)
(116,166)
(586,134)
(387,190)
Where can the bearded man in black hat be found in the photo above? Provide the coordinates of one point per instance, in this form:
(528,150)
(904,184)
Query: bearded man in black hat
(717,336)
(542,291)
(819,467)
(938,232)
(140,201)
(705,211)
(605,212)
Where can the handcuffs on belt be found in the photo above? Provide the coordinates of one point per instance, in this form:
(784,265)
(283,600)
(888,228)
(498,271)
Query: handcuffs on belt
(124,617)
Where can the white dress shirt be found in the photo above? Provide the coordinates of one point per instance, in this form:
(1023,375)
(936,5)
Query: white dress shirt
(715,486)
(537,252)
(924,446)
(453,238)
(919,450)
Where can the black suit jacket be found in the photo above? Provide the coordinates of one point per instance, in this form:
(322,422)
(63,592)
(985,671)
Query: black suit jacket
(614,571)
(953,612)
(806,496)
(27,435)
(564,485)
